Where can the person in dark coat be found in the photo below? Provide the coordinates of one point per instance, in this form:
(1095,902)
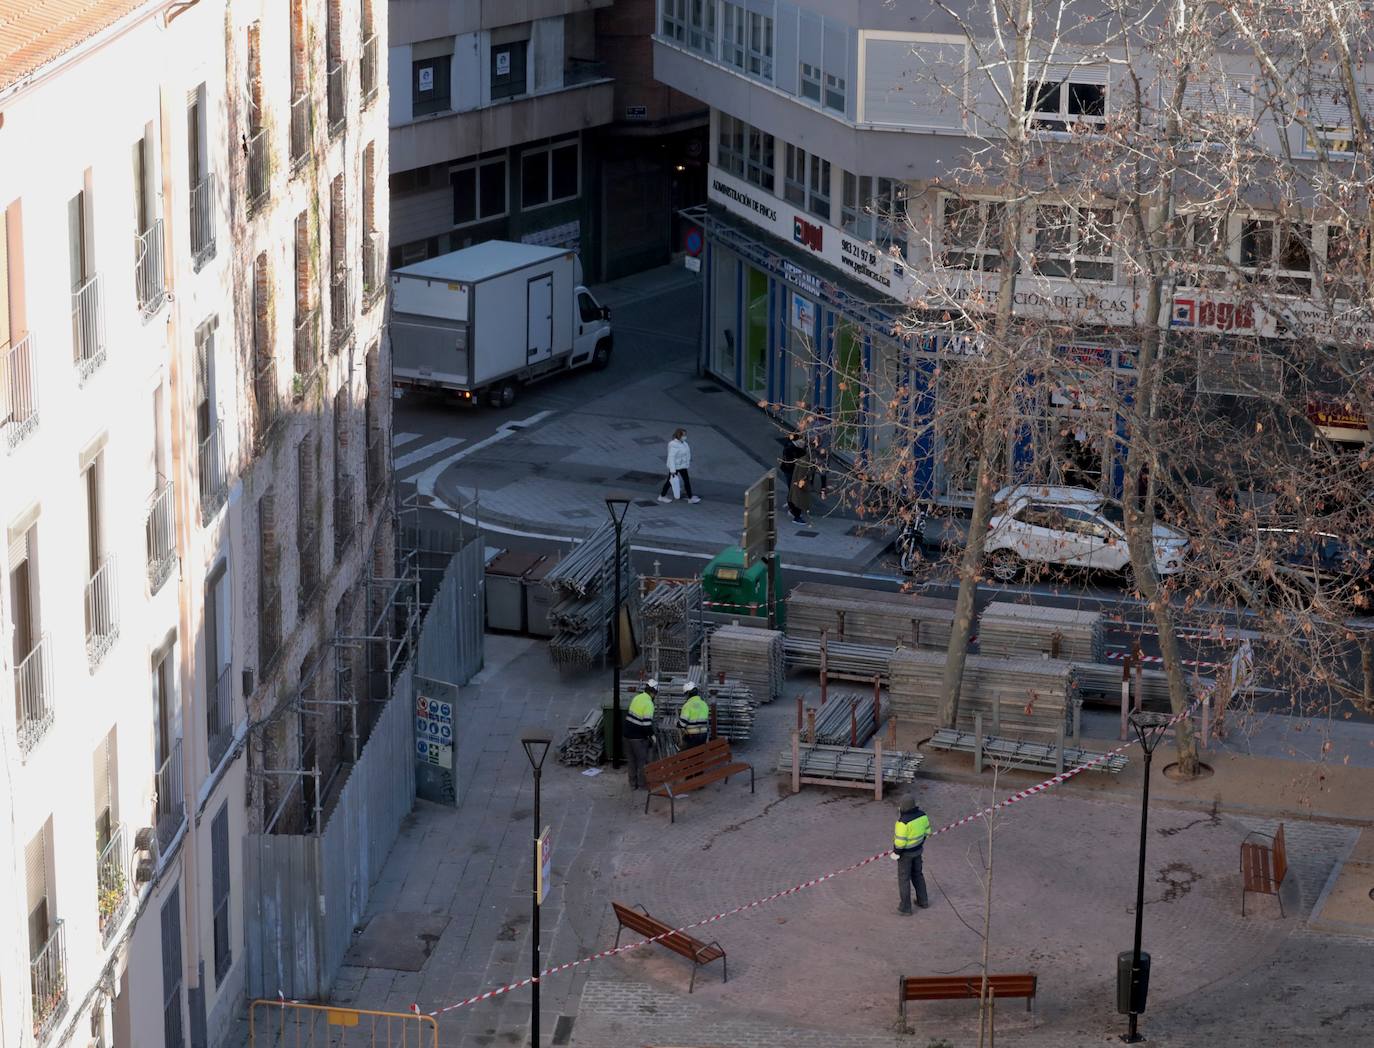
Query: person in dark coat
(795,467)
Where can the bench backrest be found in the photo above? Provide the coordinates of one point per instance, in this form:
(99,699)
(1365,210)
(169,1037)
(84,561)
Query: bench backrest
(949,986)
(652,927)
(1280,856)
(1263,866)
(689,762)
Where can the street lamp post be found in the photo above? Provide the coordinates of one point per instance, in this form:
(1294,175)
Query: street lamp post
(617,508)
(536,745)
(1149,729)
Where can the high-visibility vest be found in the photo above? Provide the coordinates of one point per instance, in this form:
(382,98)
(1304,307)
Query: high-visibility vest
(695,716)
(641,711)
(911,834)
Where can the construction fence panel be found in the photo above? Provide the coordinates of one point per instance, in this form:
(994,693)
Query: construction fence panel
(293,1024)
(451,639)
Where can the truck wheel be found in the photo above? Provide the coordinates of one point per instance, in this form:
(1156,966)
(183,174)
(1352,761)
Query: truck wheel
(601,357)
(502,396)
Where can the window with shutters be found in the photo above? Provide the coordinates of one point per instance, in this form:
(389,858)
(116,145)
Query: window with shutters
(219,695)
(308,517)
(173,1036)
(340,300)
(342,491)
(39,909)
(1216,105)
(219,875)
(372,422)
(1332,118)
(1064,98)
(306,342)
(269,584)
(212,475)
(913,80)
(102,762)
(264,362)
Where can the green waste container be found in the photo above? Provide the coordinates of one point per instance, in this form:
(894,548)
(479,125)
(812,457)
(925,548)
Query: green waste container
(731,587)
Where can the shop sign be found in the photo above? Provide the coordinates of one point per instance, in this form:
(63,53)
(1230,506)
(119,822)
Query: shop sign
(636,112)
(808,282)
(808,234)
(1339,421)
(803,316)
(1195,312)
(744,199)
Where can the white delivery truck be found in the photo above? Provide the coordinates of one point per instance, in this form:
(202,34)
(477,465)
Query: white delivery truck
(485,320)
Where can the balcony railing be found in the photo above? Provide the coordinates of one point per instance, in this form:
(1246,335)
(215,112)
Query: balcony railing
(162,550)
(148,269)
(171,803)
(102,612)
(308,557)
(269,628)
(338,97)
(112,892)
(18,391)
(344,515)
(368,70)
(300,130)
(265,397)
(213,475)
(203,220)
(88,328)
(219,718)
(374,267)
(48,982)
(307,342)
(33,696)
(340,311)
(257,167)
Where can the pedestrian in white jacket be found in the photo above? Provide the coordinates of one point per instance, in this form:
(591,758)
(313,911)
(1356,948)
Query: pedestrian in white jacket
(679,462)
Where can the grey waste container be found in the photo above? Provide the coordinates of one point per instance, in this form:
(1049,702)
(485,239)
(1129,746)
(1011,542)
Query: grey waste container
(506,590)
(539,599)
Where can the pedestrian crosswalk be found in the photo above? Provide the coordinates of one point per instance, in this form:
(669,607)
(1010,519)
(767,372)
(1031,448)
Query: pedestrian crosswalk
(415,451)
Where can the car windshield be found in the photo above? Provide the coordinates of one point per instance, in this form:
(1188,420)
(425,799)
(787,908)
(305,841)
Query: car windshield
(1112,511)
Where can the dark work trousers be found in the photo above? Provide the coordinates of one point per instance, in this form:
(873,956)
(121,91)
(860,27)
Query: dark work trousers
(667,491)
(637,750)
(787,493)
(909,873)
(689,741)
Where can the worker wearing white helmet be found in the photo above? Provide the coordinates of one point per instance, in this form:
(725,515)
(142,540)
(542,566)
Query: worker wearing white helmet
(695,718)
(638,730)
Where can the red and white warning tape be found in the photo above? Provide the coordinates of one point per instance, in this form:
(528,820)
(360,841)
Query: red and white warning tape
(1117,656)
(1030,791)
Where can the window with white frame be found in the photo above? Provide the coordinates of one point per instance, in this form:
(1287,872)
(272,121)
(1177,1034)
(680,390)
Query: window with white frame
(806,181)
(823,60)
(1277,252)
(747,37)
(760,53)
(1074,242)
(549,174)
(875,209)
(479,190)
(971,233)
(674,20)
(733,34)
(745,152)
(1063,98)
(701,25)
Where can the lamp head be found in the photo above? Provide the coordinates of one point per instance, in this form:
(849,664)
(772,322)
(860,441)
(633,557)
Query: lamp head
(536,745)
(1149,728)
(617,506)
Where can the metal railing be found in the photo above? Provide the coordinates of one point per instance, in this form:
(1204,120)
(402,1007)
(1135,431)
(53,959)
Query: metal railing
(340,311)
(257,167)
(102,612)
(307,342)
(33,696)
(88,327)
(112,883)
(213,475)
(18,391)
(148,275)
(368,70)
(344,514)
(171,803)
(48,982)
(300,130)
(203,220)
(219,718)
(265,397)
(374,267)
(308,555)
(269,629)
(162,551)
(337,84)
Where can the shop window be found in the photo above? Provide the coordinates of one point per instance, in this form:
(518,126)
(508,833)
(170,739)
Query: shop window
(756,322)
(847,411)
(1074,242)
(971,233)
(430,85)
(479,191)
(1278,252)
(508,69)
(725,313)
(549,175)
(1075,99)
(875,210)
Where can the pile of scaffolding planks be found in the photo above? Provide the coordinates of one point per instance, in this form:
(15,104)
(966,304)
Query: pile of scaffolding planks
(752,656)
(1024,629)
(584,744)
(870,617)
(1018,695)
(851,661)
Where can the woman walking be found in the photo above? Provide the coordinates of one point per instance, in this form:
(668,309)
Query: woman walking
(795,466)
(679,461)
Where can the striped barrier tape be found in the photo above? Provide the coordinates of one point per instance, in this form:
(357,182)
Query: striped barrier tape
(1030,791)
(1117,656)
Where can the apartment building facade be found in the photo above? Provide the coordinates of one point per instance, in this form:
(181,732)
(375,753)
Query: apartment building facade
(194,416)
(841,138)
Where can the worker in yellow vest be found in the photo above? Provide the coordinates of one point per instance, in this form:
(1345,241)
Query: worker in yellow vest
(908,841)
(638,731)
(695,718)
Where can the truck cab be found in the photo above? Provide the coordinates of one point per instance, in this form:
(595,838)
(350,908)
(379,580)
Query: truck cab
(591,330)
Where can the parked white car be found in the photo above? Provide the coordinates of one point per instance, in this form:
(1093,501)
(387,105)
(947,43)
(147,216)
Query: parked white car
(1078,527)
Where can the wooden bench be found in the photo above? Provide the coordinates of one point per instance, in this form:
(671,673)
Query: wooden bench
(961,987)
(637,919)
(690,770)
(1263,866)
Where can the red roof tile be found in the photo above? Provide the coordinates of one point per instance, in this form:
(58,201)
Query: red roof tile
(35,32)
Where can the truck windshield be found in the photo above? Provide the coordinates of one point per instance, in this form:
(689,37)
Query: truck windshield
(587,308)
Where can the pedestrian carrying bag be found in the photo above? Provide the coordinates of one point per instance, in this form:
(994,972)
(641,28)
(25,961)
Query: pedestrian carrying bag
(676,480)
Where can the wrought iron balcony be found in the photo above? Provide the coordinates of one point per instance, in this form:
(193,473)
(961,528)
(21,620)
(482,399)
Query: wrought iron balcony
(340,310)
(368,70)
(88,328)
(374,267)
(148,269)
(258,168)
(375,466)
(344,515)
(219,717)
(48,982)
(112,883)
(213,475)
(307,342)
(269,628)
(265,397)
(300,130)
(308,559)
(337,96)
(203,220)
(102,612)
(18,391)
(171,803)
(33,696)
(162,550)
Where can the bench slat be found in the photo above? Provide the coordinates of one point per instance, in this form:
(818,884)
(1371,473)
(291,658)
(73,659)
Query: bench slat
(681,943)
(955,987)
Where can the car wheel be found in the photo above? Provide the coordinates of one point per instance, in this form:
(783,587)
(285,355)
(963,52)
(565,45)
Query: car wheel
(1005,565)
(601,357)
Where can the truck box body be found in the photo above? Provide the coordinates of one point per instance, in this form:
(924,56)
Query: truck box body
(492,313)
